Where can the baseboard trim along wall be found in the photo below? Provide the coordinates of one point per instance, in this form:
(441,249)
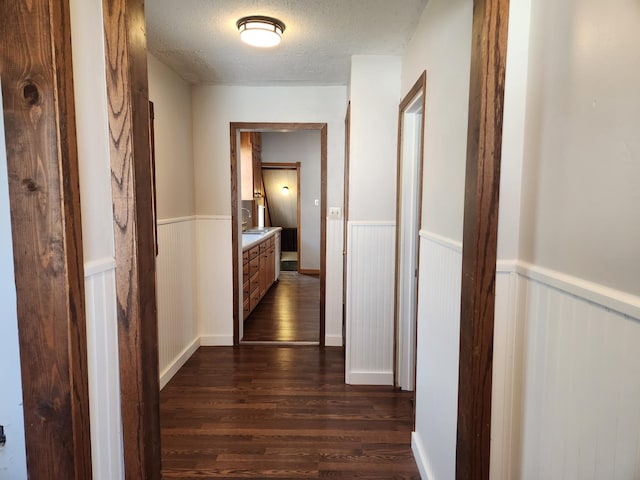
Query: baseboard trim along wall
(178,362)
(216,340)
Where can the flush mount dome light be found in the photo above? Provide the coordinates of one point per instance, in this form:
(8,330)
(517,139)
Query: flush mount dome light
(260,31)
(285,190)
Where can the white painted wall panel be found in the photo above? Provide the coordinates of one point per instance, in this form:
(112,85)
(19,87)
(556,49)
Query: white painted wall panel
(104,370)
(582,395)
(214,280)
(371,270)
(176,281)
(333,312)
(434,440)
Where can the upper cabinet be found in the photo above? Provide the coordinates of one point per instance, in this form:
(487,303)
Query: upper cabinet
(250,166)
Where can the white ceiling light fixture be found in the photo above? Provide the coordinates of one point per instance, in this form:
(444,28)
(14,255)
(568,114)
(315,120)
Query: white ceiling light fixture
(260,31)
(285,190)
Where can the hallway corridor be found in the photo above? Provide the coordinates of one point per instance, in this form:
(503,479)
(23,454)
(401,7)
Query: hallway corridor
(281,412)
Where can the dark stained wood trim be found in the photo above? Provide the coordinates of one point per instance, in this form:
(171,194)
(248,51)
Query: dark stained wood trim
(484,143)
(417,88)
(234,129)
(323,232)
(345,221)
(42,164)
(128,105)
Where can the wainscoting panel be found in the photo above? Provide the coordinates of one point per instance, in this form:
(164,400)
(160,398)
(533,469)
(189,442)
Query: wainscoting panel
(214,280)
(434,440)
(507,383)
(371,257)
(333,302)
(176,280)
(582,391)
(104,372)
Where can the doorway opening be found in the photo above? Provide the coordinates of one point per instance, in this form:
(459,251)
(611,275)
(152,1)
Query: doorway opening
(408,215)
(281,297)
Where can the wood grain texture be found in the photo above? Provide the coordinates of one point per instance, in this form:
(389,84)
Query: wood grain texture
(289,312)
(484,142)
(234,129)
(281,412)
(131,185)
(42,163)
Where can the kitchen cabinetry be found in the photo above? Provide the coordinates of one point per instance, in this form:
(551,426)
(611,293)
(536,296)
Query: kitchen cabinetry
(251,166)
(258,273)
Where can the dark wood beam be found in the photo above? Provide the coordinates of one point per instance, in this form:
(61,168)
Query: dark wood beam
(480,237)
(128,105)
(42,163)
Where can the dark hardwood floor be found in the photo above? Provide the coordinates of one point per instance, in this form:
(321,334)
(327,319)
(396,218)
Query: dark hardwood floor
(289,312)
(257,411)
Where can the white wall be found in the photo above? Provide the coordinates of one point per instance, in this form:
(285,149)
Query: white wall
(375,95)
(582,145)
(301,146)
(171,97)
(441,45)
(214,107)
(578,275)
(178,335)
(13,460)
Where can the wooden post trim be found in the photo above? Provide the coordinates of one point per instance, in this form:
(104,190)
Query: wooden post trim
(131,185)
(42,163)
(480,237)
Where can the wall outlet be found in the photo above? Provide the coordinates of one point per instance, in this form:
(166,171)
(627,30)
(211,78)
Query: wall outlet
(335,212)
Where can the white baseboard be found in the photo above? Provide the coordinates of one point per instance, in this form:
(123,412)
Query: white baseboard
(420,457)
(178,362)
(216,340)
(333,340)
(370,378)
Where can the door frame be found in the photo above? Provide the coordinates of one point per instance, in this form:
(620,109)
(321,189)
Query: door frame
(418,92)
(290,166)
(234,134)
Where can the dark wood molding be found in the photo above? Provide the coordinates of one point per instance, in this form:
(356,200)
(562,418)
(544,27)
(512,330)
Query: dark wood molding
(128,110)
(419,87)
(484,143)
(234,129)
(345,221)
(42,164)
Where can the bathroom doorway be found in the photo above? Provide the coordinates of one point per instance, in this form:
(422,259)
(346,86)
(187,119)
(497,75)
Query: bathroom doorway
(291,296)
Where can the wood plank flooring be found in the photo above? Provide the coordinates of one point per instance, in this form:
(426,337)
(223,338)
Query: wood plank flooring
(289,312)
(282,412)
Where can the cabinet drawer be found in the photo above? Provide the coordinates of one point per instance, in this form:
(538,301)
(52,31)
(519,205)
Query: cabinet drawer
(246,308)
(254,299)
(263,246)
(245,289)
(254,283)
(245,257)
(254,252)
(254,266)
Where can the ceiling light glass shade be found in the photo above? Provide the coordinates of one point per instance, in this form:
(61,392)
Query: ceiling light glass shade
(260,31)
(285,190)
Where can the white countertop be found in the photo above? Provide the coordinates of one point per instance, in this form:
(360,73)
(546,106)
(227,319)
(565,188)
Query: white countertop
(253,236)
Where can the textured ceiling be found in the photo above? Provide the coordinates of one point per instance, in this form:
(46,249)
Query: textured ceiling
(200,41)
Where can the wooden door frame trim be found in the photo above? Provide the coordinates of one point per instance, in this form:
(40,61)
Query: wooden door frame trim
(234,129)
(134,241)
(420,86)
(292,166)
(44,195)
(480,235)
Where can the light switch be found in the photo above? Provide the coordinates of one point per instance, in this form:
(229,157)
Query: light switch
(316,202)
(335,212)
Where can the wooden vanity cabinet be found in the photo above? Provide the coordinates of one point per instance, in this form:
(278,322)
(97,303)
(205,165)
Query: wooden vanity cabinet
(258,269)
